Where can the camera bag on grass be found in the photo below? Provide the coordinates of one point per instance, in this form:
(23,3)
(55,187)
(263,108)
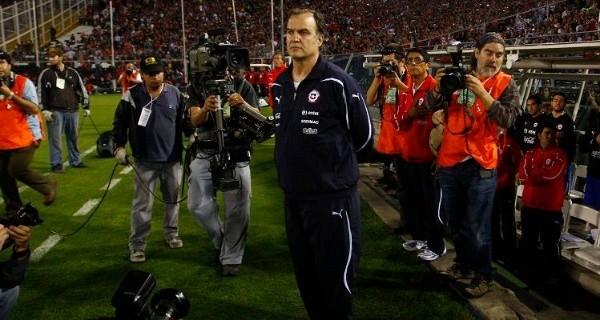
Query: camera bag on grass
(105,145)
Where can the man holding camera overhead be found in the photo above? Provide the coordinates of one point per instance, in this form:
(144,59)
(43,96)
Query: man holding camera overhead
(228,237)
(476,105)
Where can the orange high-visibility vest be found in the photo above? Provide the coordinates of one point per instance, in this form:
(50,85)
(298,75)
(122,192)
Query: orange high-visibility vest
(14,130)
(475,137)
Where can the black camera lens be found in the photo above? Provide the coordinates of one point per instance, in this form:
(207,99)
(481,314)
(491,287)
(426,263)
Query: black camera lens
(129,71)
(236,60)
(169,304)
(454,79)
(386,69)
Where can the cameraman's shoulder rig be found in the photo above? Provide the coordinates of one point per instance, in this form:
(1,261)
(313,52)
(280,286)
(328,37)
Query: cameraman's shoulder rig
(236,143)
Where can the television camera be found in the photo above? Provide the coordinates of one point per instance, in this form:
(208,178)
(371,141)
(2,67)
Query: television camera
(455,75)
(130,299)
(235,128)
(215,57)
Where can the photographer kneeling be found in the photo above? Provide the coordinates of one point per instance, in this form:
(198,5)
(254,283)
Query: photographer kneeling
(221,163)
(12,271)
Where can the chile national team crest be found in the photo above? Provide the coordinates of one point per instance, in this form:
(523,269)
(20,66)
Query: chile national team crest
(313,96)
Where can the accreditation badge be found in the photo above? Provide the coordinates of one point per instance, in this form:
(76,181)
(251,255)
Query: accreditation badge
(391,95)
(143,120)
(226,110)
(466,98)
(60,83)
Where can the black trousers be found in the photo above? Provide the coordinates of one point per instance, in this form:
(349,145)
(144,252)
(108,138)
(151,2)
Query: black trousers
(545,226)
(422,210)
(324,241)
(504,234)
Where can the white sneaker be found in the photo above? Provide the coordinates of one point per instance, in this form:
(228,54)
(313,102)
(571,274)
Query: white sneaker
(429,255)
(137,256)
(174,242)
(414,245)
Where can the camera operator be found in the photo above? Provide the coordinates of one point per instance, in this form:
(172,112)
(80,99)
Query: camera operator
(129,77)
(151,116)
(12,270)
(228,237)
(468,156)
(388,89)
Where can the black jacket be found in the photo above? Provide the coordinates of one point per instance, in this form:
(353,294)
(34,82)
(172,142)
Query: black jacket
(320,127)
(67,99)
(161,140)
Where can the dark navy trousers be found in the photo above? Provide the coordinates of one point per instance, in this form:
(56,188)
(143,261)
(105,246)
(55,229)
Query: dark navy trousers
(324,240)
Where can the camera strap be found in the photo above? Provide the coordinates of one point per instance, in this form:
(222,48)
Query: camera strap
(466,112)
(466,98)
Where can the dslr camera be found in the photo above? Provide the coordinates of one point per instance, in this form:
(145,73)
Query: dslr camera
(129,72)
(387,68)
(27,215)
(455,75)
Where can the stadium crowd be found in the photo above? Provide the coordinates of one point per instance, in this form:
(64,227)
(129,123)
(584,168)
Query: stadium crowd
(144,25)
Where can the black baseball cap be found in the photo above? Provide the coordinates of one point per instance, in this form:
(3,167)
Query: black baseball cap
(151,64)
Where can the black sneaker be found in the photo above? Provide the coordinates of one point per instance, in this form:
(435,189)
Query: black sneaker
(57,168)
(479,286)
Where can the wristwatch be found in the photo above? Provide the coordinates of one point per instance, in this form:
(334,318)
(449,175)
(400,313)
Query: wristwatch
(11,96)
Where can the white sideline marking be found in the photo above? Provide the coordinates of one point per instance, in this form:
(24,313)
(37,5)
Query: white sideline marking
(126,170)
(114,182)
(40,251)
(88,151)
(87,207)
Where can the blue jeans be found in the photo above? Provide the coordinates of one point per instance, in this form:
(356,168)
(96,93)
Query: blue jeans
(8,299)
(64,122)
(468,197)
